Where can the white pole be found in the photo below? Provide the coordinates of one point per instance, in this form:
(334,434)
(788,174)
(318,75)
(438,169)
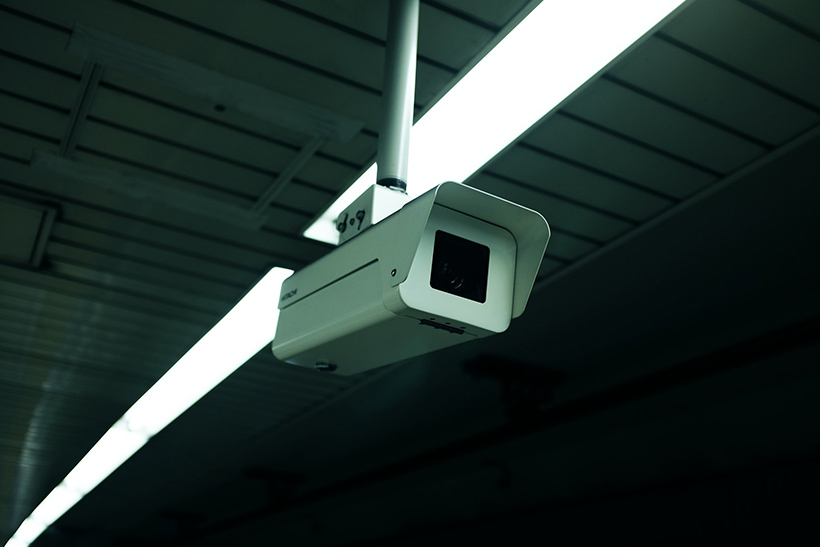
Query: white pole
(398,93)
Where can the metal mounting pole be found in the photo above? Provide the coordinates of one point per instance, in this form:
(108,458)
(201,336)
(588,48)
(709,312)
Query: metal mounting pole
(398,93)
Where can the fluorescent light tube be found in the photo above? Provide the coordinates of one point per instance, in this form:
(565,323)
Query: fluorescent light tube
(246,329)
(60,500)
(116,445)
(547,56)
(29,531)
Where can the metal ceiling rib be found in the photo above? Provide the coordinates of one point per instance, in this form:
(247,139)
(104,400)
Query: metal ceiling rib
(128,285)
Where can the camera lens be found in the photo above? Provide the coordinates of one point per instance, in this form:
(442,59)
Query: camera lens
(460,267)
(450,275)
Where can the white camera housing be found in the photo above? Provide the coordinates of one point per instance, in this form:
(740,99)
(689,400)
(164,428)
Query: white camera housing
(397,290)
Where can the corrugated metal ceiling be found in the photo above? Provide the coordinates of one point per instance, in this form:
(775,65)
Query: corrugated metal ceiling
(128,285)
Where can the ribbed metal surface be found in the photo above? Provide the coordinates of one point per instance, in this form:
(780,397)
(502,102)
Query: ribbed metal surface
(683,110)
(128,285)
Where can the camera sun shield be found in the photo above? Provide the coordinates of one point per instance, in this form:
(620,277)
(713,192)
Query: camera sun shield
(455,279)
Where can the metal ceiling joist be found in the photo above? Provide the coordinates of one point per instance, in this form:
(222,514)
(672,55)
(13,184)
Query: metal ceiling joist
(25,228)
(221,90)
(92,72)
(284,178)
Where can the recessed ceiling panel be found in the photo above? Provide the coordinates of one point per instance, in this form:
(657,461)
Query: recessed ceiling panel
(540,170)
(663,127)
(762,47)
(584,143)
(714,93)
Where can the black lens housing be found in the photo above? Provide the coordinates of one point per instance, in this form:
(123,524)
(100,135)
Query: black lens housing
(460,267)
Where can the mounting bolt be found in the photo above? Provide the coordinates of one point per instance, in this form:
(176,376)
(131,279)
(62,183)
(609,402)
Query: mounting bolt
(341,226)
(360,217)
(393,273)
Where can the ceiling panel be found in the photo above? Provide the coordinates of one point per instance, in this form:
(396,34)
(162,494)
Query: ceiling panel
(493,13)
(77,379)
(167,123)
(233,136)
(29,82)
(215,176)
(764,48)
(143,93)
(157,341)
(231,274)
(549,266)
(101,228)
(93,315)
(88,310)
(450,38)
(283,32)
(568,247)
(254,252)
(123,161)
(569,216)
(72,286)
(133,22)
(117,212)
(571,138)
(209,174)
(578,183)
(145,282)
(30,38)
(96,356)
(18,143)
(796,12)
(188,286)
(711,91)
(615,107)
(23,328)
(442,25)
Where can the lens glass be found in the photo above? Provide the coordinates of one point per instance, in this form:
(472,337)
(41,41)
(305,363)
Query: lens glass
(460,267)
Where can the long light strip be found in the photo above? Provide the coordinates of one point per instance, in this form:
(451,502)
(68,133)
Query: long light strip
(246,329)
(553,51)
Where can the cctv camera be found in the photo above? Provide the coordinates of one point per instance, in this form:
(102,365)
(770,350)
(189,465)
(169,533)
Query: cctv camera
(453,265)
